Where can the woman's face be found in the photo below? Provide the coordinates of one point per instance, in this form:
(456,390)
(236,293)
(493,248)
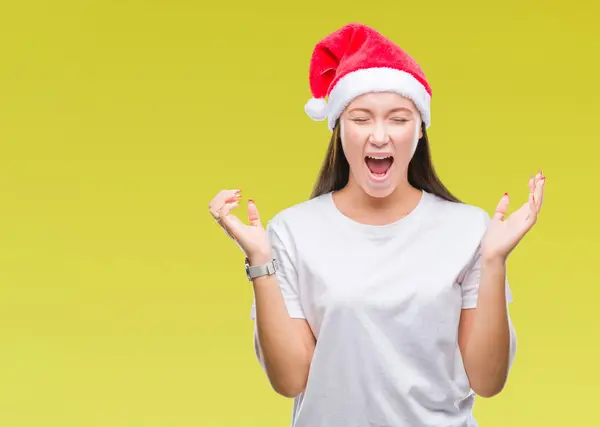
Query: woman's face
(380,132)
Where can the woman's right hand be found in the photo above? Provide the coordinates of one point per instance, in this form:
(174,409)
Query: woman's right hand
(251,239)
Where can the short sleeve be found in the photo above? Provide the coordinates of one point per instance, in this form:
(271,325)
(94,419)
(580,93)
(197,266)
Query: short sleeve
(286,274)
(469,280)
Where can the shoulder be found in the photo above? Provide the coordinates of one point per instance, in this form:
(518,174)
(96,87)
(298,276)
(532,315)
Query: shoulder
(299,216)
(461,216)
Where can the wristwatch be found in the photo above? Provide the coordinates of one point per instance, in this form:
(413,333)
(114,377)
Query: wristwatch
(254,271)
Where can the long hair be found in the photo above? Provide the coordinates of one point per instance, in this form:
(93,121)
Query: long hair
(335,170)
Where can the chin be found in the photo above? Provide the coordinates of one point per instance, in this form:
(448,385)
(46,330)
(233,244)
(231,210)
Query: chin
(378,192)
(380,187)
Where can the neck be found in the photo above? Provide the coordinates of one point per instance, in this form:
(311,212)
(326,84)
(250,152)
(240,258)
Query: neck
(353,202)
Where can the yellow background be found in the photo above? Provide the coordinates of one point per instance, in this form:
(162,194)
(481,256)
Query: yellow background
(123,305)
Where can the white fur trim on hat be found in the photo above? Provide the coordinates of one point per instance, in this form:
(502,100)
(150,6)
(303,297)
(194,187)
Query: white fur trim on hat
(381,79)
(316,108)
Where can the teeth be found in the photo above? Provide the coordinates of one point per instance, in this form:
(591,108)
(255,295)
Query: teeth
(379,157)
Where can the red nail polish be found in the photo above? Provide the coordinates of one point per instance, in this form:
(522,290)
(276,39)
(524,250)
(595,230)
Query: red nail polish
(506,194)
(250,201)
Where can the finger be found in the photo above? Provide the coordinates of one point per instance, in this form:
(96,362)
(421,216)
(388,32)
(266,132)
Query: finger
(223,213)
(253,216)
(232,202)
(532,216)
(539,193)
(531,184)
(230,223)
(539,175)
(501,208)
(224,196)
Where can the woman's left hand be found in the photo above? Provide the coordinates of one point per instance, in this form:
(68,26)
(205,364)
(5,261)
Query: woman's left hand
(503,234)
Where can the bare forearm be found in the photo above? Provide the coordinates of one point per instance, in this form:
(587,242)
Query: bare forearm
(487,355)
(284,348)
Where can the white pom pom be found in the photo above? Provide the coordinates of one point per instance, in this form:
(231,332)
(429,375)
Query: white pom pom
(316,108)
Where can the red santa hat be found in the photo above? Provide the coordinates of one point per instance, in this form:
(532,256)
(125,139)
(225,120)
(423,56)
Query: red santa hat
(355,60)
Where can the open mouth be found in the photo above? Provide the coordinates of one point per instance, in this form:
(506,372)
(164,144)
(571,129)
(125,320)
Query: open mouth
(379,166)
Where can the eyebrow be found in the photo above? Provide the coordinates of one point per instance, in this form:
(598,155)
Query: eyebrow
(366,110)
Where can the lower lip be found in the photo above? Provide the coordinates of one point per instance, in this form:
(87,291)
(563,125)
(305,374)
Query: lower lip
(378,178)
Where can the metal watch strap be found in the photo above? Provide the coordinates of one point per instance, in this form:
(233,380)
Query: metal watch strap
(254,271)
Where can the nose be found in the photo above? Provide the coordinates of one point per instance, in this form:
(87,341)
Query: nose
(379,137)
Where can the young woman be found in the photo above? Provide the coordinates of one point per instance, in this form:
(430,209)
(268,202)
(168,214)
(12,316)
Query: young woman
(382,300)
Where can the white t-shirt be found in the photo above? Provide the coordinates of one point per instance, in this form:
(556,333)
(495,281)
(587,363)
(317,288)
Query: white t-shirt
(384,304)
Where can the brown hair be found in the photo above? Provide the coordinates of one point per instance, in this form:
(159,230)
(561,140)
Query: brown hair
(335,169)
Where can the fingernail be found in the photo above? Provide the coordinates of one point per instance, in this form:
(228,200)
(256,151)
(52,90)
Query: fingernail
(506,194)
(250,201)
